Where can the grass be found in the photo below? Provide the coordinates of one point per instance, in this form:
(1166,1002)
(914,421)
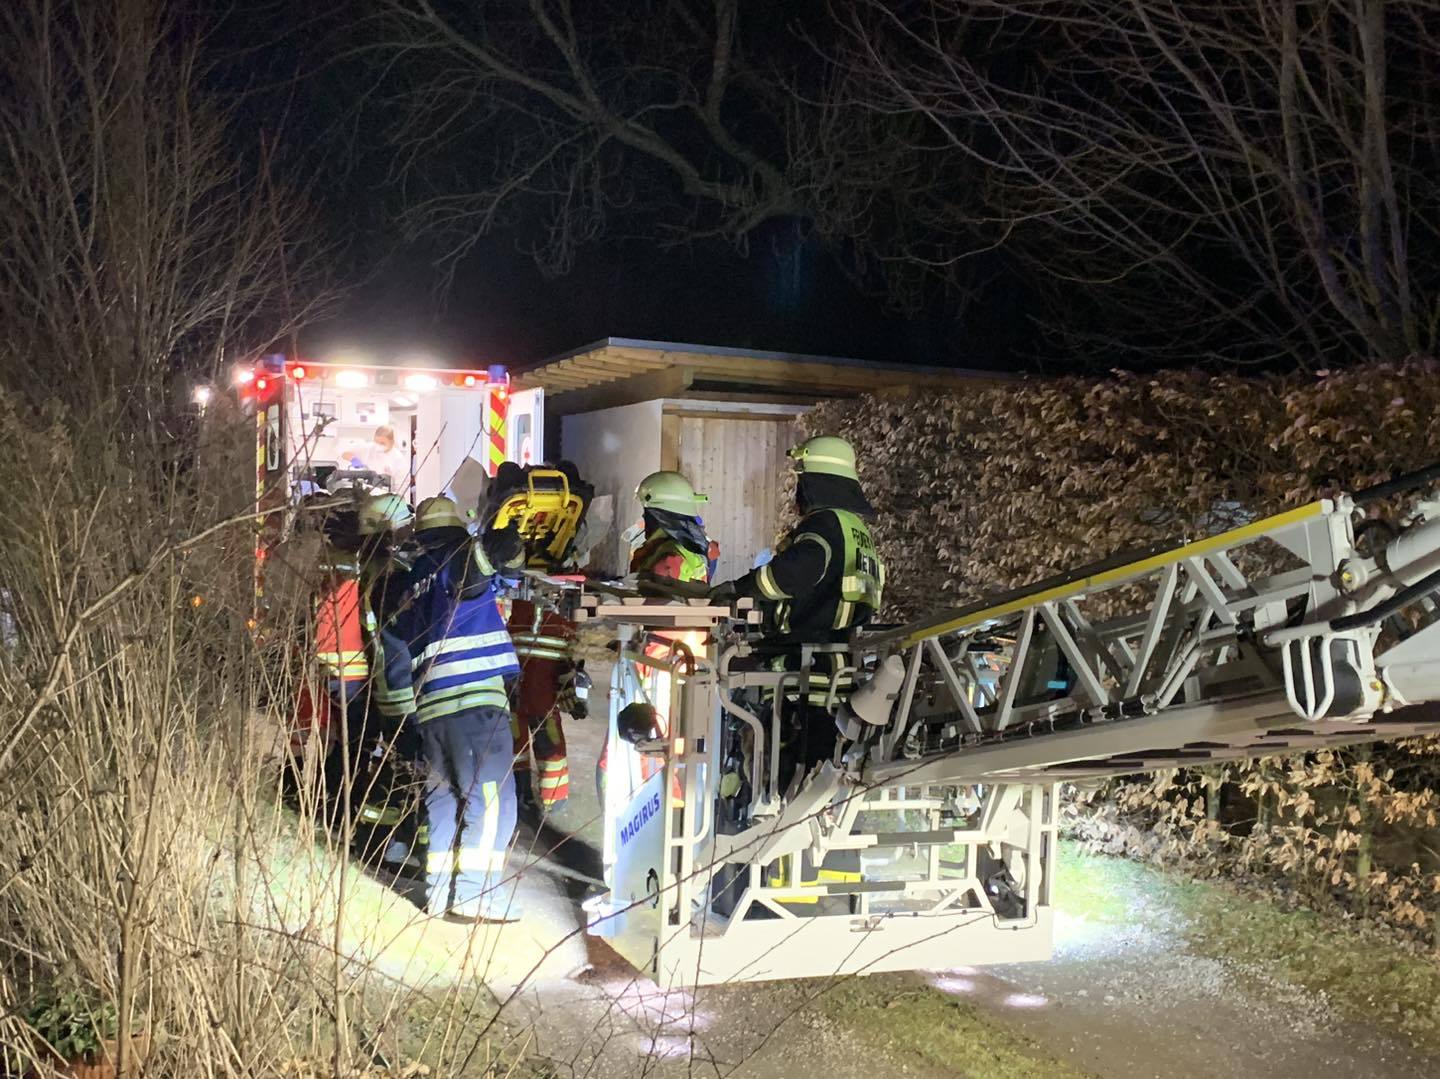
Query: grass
(914,1023)
(1366,977)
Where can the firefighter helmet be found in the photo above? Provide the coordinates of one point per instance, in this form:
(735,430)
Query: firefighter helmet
(669,491)
(383,513)
(827,455)
(437,512)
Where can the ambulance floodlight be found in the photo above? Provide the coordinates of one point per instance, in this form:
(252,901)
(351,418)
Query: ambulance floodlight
(351,380)
(420,383)
(244,376)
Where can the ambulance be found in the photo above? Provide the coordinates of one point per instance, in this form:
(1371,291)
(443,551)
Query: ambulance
(316,422)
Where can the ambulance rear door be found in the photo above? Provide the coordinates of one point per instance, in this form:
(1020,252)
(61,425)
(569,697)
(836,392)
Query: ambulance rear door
(525,434)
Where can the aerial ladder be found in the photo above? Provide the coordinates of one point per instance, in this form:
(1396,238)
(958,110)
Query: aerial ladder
(1313,628)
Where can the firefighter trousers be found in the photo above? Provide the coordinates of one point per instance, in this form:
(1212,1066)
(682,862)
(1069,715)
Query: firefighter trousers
(544,736)
(470,800)
(381,755)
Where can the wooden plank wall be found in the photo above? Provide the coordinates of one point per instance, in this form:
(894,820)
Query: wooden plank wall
(739,463)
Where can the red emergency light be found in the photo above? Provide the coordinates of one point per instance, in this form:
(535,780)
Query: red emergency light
(469,380)
(262,384)
(298,372)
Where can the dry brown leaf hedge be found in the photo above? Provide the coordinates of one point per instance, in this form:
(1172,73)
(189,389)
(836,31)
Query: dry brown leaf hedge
(988,489)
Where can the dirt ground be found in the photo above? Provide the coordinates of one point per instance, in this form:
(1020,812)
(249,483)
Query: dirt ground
(1118,999)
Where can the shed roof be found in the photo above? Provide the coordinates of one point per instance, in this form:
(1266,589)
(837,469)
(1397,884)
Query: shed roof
(617,370)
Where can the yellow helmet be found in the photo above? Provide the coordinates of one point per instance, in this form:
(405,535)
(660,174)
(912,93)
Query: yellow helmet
(437,512)
(827,455)
(383,513)
(669,491)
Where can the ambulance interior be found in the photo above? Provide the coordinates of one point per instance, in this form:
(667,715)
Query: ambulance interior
(438,418)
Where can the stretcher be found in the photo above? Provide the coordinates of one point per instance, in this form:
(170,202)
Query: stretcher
(548,510)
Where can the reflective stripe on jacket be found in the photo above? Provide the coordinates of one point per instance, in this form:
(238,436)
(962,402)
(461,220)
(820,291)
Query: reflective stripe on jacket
(461,650)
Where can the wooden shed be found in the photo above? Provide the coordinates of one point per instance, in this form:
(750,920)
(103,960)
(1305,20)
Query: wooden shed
(724,417)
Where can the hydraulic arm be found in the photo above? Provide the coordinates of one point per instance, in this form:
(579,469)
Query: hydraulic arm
(929,837)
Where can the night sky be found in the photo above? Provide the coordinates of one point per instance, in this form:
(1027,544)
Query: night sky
(789,297)
(787,293)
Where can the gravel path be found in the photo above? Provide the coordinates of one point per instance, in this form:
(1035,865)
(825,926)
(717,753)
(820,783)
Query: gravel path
(1126,1002)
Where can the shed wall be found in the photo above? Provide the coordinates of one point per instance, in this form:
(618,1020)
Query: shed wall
(740,464)
(615,449)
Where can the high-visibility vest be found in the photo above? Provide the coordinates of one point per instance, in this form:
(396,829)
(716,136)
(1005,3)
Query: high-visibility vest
(339,635)
(863,583)
(664,557)
(460,649)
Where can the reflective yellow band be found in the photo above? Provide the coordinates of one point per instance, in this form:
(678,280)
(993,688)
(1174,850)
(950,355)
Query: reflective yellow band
(482,560)
(825,459)
(466,698)
(400,706)
(768,588)
(821,542)
(462,644)
(480,665)
(465,860)
(351,656)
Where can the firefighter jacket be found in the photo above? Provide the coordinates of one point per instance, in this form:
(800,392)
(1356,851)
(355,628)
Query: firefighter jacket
(384,581)
(824,580)
(461,652)
(339,632)
(545,646)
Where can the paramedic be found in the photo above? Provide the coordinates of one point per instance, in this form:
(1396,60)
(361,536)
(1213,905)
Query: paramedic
(390,461)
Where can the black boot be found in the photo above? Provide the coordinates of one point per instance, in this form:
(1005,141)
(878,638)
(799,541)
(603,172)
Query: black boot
(525,792)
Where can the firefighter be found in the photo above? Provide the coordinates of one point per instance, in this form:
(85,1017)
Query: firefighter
(462,657)
(545,646)
(674,548)
(382,739)
(824,580)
